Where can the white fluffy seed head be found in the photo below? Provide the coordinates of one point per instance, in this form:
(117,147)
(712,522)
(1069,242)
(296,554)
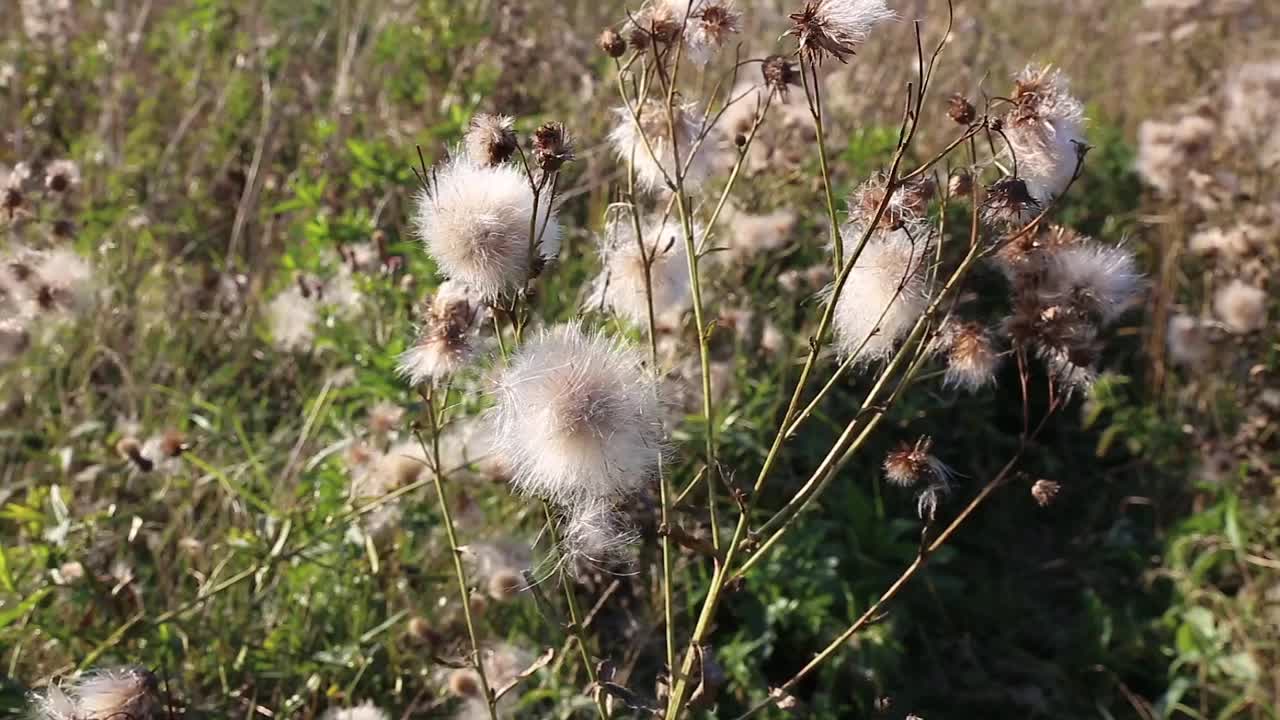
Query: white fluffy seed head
(52,704)
(654,160)
(490,139)
(971,356)
(1044,129)
(747,234)
(1241,308)
(116,693)
(1251,102)
(1188,340)
(837,27)
(622,285)
(292,317)
(366,711)
(709,28)
(1070,376)
(884,294)
(1100,279)
(475,222)
(577,418)
(598,535)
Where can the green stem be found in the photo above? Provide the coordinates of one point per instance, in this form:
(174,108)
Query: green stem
(575,628)
(459,572)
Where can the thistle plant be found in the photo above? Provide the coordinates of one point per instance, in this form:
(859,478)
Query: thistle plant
(603,401)
(577,417)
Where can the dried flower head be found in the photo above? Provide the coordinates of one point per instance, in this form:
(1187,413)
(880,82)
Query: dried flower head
(420,631)
(884,295)
(1167,150)
(612,43)
(292,316)
(709,28)
(505,585)
(384,417)
(780,75)
(491,139)
(53,704)
(597,534)
(909,464)
(659,23)
(639,273)
(61,176)
(1242,308)
(960,184)
(130,449)
(960,110)
(1009,202)
(1098,279)
(971,355)
(446,338)
(464,683)
(748,234)
(121,692)
(552,146)
(1188,340)
(647,143)
(173,443)
(475,222)
(577,417)
(836,27)
(1044,491)
(908,203)
(1045,131)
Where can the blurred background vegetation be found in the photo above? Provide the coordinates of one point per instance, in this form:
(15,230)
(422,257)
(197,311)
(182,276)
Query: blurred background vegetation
(227,149)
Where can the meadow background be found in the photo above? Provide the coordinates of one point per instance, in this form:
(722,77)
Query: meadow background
(224,150)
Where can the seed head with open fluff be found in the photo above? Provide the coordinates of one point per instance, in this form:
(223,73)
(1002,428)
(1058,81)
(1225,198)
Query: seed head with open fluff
(1241,307)
(971,355)
(127,692)
(577,418)
(648,142)
(475,220)
(1097,278)
(622,285)
(884,294)
(837,27)
(598,535)
(1044,129)
(446,336)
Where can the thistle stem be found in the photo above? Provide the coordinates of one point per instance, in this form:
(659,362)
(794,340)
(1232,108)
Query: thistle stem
(459,572)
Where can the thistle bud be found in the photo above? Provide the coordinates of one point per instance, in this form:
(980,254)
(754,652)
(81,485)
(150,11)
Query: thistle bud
(174,443)
(1044,491)
(909,463)
(505,585)
(491,139)
(779,74)
(130,449)
(612,43)
(420,631)
(552,146)
(961,184)
(464,683)
(1009,202)
(960,110)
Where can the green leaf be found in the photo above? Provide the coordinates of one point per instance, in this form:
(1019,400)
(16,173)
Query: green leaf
(22,608)
(6,576)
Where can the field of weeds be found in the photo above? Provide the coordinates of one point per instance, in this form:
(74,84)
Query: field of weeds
(379,359)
